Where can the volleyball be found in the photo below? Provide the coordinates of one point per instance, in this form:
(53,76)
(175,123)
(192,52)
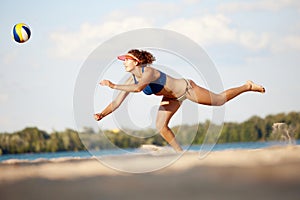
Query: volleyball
(21,32)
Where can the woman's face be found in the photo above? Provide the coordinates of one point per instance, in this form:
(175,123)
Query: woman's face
(129,64)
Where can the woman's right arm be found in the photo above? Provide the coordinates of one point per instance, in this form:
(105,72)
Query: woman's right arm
(115,103)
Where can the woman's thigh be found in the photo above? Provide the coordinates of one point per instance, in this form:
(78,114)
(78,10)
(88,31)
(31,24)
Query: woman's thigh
(201,95)
(165,112)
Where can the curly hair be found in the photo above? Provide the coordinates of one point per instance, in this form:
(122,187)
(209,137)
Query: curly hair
(144,56)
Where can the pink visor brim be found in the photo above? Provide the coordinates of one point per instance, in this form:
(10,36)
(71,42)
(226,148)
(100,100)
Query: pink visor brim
(123,57)
(128,56)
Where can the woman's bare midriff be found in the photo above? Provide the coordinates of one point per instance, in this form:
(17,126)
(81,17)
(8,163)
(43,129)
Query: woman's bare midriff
(173,88)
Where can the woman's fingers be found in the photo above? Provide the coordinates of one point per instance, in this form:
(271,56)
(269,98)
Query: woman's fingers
(97,117)
(105,82)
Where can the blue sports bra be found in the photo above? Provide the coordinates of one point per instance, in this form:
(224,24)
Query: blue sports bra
(155,86)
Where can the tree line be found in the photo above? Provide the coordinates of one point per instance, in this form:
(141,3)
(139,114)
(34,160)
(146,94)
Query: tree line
(34,140)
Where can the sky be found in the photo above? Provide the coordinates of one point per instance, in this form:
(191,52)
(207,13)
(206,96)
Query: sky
(255,40)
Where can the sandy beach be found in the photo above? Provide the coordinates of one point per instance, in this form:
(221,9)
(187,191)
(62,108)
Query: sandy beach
(271,173)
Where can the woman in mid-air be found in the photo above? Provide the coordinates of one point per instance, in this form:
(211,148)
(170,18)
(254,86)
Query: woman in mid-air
(173,91)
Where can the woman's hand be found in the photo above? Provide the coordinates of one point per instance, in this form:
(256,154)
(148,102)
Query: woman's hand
(107,83)
(98,116)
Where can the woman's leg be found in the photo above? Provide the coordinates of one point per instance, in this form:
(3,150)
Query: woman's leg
(165,113)
(203,96)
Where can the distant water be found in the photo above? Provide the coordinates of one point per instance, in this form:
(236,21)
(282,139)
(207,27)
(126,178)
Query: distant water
(240,145)
(86,154)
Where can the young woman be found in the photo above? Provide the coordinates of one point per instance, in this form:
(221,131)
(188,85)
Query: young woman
(173,91)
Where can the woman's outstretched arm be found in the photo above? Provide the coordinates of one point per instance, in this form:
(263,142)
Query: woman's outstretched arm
(111,107)
(146,78)
(114,104)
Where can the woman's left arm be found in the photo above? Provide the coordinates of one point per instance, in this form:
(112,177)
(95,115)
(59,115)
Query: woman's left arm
(128,88)
(145,80)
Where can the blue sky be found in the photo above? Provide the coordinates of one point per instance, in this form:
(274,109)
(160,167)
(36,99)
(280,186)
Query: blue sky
(257,40)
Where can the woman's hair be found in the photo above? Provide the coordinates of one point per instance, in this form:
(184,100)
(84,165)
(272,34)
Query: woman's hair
(144,56)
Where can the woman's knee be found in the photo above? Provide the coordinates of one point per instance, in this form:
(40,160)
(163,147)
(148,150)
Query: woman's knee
(218,100)
(161,126)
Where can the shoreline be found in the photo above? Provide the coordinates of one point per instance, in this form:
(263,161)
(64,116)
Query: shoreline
(243,158)
(151,150)
(85,154)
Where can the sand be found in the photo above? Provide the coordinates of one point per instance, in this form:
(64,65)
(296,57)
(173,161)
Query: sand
(271,173)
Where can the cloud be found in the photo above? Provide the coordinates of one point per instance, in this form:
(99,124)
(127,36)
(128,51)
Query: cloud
(216,29)
(162,9)
(268,5)
(191,1)
(254,41)
(287,43)
(206,30)
(292,41)
(77,44)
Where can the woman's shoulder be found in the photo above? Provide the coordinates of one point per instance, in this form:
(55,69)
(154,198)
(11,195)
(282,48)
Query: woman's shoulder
(151,70)
(149,67)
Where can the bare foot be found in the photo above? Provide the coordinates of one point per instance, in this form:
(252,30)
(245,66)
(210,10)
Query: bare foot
(254,87)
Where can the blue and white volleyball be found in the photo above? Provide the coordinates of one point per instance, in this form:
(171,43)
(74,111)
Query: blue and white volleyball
(21,32)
